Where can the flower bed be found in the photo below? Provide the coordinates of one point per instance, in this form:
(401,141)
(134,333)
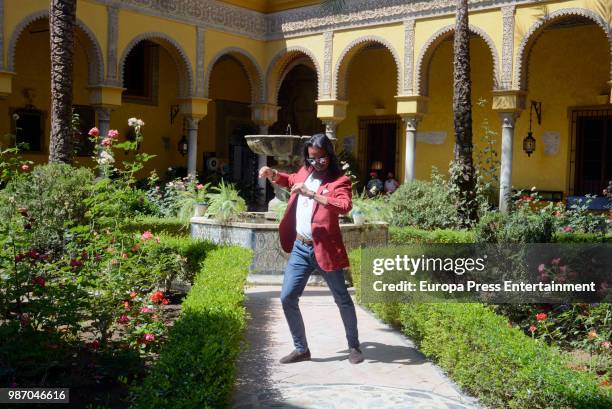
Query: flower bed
(196,367)
(490,359)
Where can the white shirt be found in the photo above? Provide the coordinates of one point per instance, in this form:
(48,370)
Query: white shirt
(303,213)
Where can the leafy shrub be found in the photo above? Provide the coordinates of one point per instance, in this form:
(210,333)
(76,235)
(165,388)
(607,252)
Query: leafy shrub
(515,227)
(54,198)
(406,235)
(176,257)
(157,225)
(498,364)
(196,367)
(423,204)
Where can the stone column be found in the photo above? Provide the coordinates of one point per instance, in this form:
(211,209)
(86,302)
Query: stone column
(330,129)
(103,114)
(410,150)
(508,120)
(192,152)
(262,160)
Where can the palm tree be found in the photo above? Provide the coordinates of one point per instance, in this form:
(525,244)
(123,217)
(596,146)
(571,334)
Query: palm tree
(62,22)
(463,175)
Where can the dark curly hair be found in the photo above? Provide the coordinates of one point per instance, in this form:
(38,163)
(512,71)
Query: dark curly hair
(321,141)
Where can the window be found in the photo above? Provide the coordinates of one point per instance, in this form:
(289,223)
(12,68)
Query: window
(29,128)
(141,74)
(83,146)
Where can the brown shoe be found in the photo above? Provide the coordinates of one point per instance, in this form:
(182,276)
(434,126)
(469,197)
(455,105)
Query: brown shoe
(296,356)
(355,356)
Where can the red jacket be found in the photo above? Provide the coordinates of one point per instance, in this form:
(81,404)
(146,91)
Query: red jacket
(326,237)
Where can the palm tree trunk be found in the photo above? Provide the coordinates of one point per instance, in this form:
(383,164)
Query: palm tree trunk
(464,175)
(62,22)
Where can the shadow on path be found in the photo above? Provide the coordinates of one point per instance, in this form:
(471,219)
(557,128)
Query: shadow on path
(378,352)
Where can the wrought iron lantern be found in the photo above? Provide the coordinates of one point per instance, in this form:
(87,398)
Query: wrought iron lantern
(529,143)
(183,146)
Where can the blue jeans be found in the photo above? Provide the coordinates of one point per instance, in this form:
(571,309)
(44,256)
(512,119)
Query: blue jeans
(301,264)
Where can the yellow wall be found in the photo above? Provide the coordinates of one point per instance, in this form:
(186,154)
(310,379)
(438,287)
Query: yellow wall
(559,82)
(556,80)
(439,117)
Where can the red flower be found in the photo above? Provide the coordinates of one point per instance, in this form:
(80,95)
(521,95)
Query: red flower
(123,319)
(133,295)
(40,281)
(568,229)
(33,254)
(145,310)
(165,301)
(94,132)
(74,263)
(157,297)
(147,235)
(541,316)
(95,344)
(19,257)
(592,334)
(126,305)
(533,329)
(149,337)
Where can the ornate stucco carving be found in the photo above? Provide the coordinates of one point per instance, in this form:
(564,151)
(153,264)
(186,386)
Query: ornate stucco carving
(113,38)
(279,65)
(529,39)
(507,46)
(408,56)
(200,80)
(177,52)
(340,71)
(250,65)
(328,39)
(432,43)
(92,49)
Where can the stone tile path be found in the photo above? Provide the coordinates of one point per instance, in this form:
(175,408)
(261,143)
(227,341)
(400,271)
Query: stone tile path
(393,375)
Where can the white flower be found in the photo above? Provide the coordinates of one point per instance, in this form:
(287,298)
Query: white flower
(105,158)
(373,190)
(345,166)
(132,121)
(533,188)
(15,117)
(140,122)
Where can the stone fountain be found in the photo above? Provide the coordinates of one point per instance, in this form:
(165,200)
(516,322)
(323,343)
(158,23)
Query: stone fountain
(287,151)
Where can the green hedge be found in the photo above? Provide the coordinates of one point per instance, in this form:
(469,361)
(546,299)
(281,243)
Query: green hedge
(196,367)
(406,235)
(159,225)
(497,364)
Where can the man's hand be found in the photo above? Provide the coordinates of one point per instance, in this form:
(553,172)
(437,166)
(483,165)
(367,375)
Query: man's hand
(301,189)
(267,172)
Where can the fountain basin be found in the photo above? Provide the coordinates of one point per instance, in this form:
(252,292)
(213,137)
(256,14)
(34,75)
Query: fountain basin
(261,235)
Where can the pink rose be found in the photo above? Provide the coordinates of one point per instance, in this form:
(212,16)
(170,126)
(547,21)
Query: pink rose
(200,186)
(149,337)
(541,268)
(567,229)
(106,142)
(123,319)
(605,344)
(25,168)
(94,132)
(147,235)
(533,329)
(113,133)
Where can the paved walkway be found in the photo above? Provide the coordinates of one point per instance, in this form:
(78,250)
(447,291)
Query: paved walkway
(393,375)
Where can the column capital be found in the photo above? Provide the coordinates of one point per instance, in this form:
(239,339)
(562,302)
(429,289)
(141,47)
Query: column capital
(192,122)
(6,83)
(104,113)
(411,121)
(411,105)
(194,107)
(264,114)
(508,119)
(509,100)
(106,96)
(331,110)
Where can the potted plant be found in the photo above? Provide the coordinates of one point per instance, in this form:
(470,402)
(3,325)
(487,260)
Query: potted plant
(225,204)
(200,205)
